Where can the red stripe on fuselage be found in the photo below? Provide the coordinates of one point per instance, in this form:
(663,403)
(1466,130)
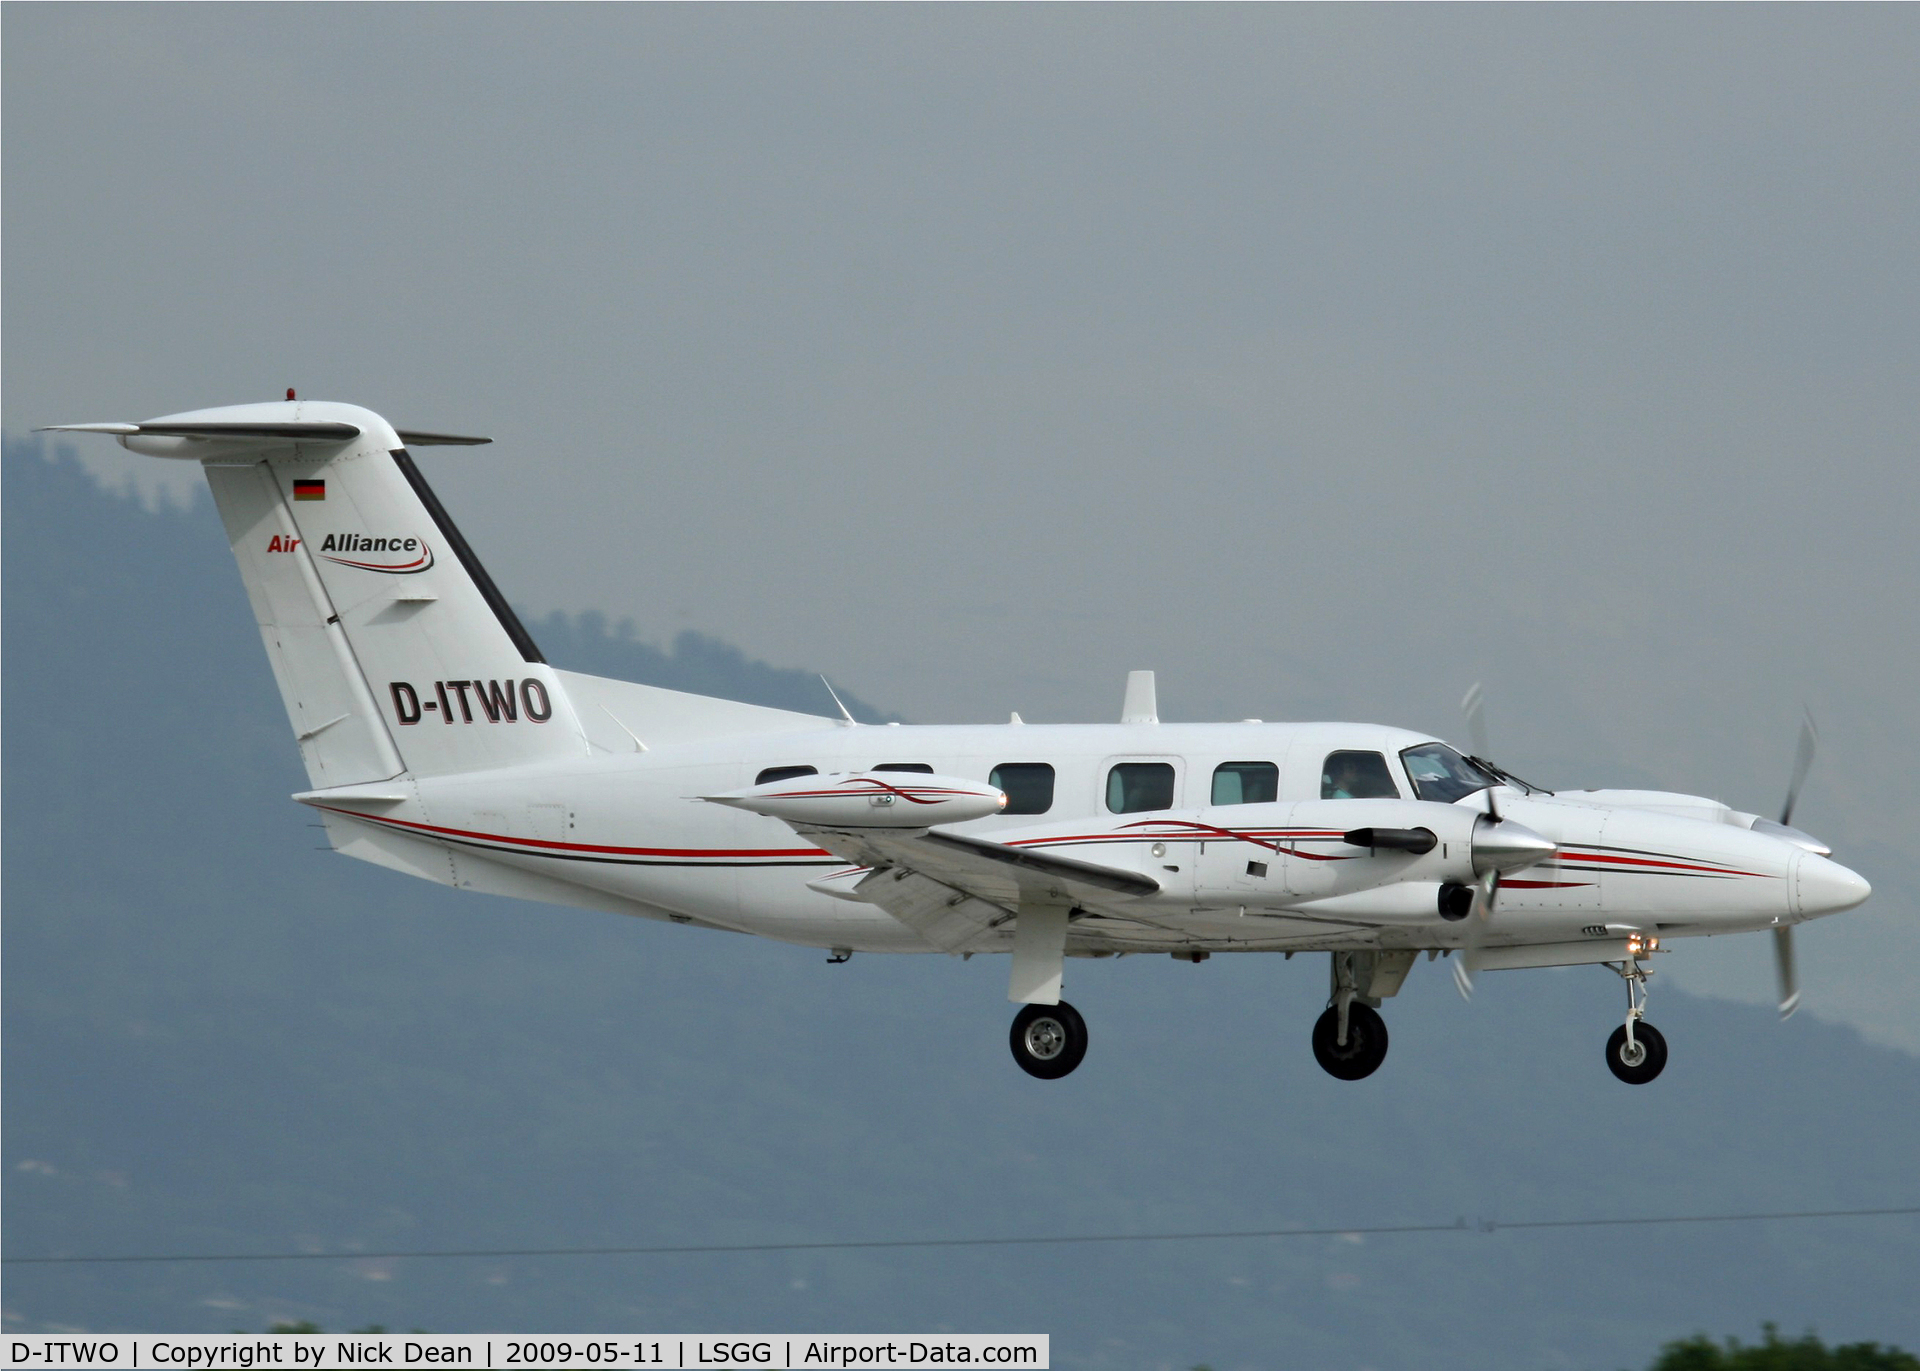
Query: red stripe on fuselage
(1587,854)
(599,848)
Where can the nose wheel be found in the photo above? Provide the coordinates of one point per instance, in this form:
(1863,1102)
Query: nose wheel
(1637,1061)
(1636,1052)
(1048,1040)
(1365,1045)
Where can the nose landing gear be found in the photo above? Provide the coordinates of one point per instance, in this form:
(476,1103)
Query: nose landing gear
(1638,1059)
(1048,1040)
(1636,1052)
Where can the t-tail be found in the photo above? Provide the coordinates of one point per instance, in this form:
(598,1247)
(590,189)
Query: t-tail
(394,651)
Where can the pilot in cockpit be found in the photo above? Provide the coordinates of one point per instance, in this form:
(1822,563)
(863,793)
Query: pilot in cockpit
(1357,776)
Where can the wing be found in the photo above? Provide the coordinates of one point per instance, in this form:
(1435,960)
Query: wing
(957,891)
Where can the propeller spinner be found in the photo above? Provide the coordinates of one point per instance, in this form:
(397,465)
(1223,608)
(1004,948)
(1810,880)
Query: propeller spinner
(1499,845)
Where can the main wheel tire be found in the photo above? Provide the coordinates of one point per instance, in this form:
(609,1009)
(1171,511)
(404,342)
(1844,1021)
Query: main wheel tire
(1048,1040)
(1647,1060)
(1365,1048)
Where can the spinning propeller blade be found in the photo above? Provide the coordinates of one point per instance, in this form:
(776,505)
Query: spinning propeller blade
(1474,705)
(1485,891)
(1498,845)
(1802,760)
(1783,964)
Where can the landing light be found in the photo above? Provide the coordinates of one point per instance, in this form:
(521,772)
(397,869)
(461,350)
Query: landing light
(1640,944)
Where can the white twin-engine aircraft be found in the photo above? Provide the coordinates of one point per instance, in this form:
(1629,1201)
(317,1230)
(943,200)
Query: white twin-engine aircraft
(439,742)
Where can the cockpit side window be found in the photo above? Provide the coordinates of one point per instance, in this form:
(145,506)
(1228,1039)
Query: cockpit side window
(1246,783)
(784,773)
(922,768)
(1440,773)
(1357,776)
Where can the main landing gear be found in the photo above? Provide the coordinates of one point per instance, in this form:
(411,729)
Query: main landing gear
(1356,1053)
(1636,1052)
(1048,1040)
(1350,1039)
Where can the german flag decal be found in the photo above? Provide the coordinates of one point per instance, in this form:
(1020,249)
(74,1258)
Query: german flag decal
(309,490)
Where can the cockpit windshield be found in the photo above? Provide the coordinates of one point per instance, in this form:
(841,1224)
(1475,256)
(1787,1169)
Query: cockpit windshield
(1440,773)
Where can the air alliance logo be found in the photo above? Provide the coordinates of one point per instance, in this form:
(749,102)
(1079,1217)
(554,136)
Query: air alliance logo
(395,556)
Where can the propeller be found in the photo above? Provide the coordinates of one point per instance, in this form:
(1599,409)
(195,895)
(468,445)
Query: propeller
(1487,889)
(1789,982)
(1783,965)
(1499,845)
(1474,705)
(1802,761)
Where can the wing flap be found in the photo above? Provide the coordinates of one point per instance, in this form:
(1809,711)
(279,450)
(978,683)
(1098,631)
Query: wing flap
(1004,875)
(962,893)
(950,919)
(1048,866)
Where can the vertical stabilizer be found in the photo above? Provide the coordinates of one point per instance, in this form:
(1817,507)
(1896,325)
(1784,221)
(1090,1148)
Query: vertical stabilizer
(393,649)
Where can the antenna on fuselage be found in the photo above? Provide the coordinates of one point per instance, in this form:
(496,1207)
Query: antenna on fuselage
(1140,706)
(638,746)
(845,716)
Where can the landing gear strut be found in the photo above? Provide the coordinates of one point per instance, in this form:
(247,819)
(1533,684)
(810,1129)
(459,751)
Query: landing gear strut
(1048,1040)
(1636,1052)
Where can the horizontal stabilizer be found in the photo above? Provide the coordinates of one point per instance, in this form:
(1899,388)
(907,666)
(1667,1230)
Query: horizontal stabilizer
(292,432)
(289,432)
(413,437)
(380,793)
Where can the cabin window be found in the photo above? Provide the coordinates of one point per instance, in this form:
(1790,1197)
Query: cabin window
(920,767)
(784,773)
(1357,776)
(1246,783)
(1136,786)
(1028,786)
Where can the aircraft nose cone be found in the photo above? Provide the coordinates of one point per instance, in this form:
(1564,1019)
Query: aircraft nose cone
(1824,887)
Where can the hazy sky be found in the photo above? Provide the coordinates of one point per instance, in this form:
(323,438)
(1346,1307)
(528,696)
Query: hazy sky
(1324,359)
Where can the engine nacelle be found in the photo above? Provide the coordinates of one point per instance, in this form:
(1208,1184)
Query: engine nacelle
(868,799)
(1327,849)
